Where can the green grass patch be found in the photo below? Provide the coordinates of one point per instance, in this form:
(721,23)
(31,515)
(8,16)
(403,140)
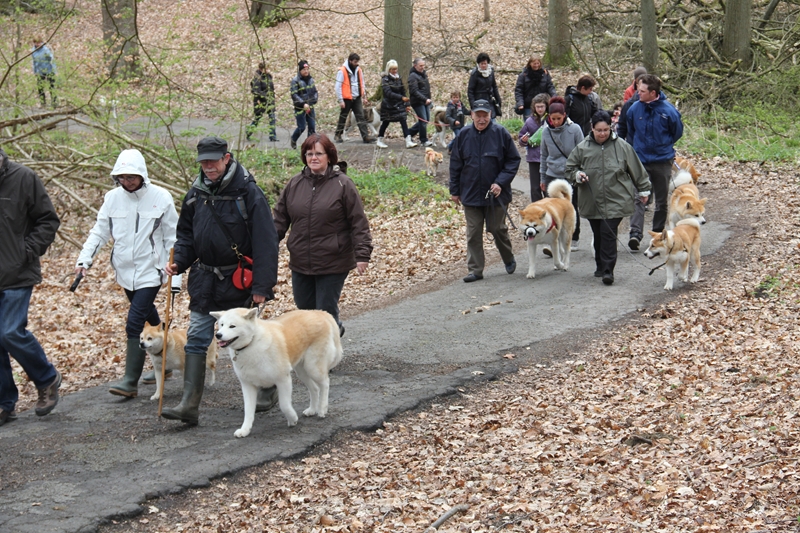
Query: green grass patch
(513,125)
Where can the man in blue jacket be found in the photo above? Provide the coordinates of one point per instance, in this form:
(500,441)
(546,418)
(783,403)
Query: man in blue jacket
(483,163)
(654,126)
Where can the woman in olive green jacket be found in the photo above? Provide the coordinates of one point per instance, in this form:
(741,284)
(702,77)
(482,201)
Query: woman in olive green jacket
(607,173)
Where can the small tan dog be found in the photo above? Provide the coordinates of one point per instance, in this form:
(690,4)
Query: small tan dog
(685,203)
(678,247)
(151,340)
(549,221)
(432,161)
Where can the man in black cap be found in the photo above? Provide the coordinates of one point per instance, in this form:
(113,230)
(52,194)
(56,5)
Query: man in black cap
(224,211)
(483,163)
(263,91)
(304,98)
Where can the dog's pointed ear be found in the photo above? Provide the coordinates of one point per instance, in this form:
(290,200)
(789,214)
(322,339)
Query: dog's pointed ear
(653,234)
(252,314)
(703,201)
(688,204)
(216,314)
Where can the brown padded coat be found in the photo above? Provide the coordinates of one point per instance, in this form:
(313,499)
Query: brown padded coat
(329,230)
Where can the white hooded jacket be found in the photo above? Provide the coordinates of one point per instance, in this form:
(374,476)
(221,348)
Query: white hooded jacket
(142,224)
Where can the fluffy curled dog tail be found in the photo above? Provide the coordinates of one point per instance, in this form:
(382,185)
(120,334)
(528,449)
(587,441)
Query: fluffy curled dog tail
(560,189)
(689,222)
(681,177)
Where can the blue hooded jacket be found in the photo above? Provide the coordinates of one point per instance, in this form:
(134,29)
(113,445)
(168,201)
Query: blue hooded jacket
(43,61)
(653,129)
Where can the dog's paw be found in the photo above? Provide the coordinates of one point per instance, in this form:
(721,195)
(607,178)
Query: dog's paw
(154,396)
(309,412)
(241,433)
(530,275)
(291,420)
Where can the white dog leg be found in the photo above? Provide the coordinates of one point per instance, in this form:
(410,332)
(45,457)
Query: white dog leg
(696,265)
(285,400)
(313,390)
(159,383)
(322,396)
(531,260)
(250,395)
(557,249)
(670,275)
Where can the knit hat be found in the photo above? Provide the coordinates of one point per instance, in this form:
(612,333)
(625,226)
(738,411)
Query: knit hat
(638,71)
(558,105)
(302,64)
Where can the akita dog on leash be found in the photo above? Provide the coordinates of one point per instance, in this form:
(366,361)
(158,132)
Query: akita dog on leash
(265,351)
(550,221)
(685,203)
(678,247)
(151,340)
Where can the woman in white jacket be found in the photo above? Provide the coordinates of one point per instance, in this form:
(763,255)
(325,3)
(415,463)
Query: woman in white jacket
(141,218)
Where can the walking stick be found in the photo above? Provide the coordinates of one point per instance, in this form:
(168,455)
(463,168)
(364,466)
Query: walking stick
(167,319)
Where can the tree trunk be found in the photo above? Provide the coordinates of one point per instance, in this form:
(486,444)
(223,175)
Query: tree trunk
(486,15)
(649,36)
(119,34)
(397,33)
(736,31)
(559,49)
(262,12)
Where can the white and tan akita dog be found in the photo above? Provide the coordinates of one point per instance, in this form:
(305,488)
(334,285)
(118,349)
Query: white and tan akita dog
(678,247)
(265,351)
(550,221)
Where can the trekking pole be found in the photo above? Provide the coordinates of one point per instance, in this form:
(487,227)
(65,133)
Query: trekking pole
(167,319)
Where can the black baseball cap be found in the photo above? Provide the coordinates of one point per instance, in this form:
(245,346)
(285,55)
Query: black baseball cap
(211,149)
(482,105)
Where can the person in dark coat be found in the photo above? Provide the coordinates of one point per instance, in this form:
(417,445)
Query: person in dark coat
(483,86)
(263,91)
(582,103)
(482,166)
(455,116)
(28,224)
(532,81)
(224,215)
(329,234)
(420,90)
(395,104)
(304,98)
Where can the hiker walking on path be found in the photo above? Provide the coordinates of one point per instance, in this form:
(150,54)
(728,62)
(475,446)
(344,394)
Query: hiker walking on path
(530,137)
(482,184)
(263,91)
(224,211)
(304,98)
(351,93)
(531,82)
(141,219)
(420,90)
(29,223)
(395,104)
(483,86)
(44,67)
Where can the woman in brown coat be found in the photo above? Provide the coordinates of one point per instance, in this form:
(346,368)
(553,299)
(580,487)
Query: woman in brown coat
(329,231)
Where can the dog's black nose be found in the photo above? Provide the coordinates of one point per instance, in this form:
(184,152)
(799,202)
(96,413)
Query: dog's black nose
(218,335)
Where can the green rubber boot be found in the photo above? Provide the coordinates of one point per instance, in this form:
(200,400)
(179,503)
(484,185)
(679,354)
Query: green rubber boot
(267,398)
(194,378)
(134,363)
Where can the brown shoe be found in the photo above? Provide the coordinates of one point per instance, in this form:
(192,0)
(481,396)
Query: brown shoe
(48,396)
(7,416)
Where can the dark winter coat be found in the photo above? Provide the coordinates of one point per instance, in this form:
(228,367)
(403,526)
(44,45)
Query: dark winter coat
(530,83)
(479,159)
(28,224)
(533,154)
(580,108)
(303,92)
(329,230)
(622,123)
(482,87)
(203,245)
(263,89)
(393,108)
(653,130)
(455,114)
(419,87)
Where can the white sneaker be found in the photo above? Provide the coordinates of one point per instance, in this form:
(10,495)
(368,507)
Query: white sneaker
(574,246)
(381,144)
(428,143)
(410,143)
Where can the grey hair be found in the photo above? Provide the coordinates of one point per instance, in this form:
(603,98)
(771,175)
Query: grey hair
(418,59)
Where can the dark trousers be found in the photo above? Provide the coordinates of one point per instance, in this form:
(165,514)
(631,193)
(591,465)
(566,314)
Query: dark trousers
(605,243)
(421,127)
(385,124)
(659,177)
(302,119)
(318,292)
(357,108)
(493,219)
(259,108)
(534,167)
(41,81)
(142,310)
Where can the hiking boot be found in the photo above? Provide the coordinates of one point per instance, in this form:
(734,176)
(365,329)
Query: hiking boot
(598,273)
(7,416)
(633,243)
(293,144)
(338,138)
(472,277)
(134,362)
(48,396)
(341,330)
(608,278)
(266,399)
(427,144)
(273,139)
(547,251)
(194,378)
(150,377)
(369,139)
(511,267)
(410,142)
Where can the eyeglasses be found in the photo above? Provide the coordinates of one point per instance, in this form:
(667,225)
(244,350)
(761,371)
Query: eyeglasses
(317,155)
(124,177)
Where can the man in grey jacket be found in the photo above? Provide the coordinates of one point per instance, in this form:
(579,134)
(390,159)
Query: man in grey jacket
(27,228)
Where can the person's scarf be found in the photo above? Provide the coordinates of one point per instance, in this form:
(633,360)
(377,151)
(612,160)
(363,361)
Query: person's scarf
(485,73)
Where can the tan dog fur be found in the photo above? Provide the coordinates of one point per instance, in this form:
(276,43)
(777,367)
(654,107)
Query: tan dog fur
(151,340)
(372,115)
(550,221)
(438,115)
(685,203)
(684,164)
(432,161)
(678,247)
(264,352)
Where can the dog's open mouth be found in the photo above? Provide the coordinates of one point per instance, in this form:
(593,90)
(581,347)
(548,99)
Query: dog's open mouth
(223,343)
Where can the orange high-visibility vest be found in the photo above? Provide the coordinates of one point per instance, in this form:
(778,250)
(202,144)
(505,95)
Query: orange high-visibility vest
(347,93)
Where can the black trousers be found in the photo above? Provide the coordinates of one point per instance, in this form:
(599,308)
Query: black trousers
(605,243)
(318,292)
(357,108)
(534,168)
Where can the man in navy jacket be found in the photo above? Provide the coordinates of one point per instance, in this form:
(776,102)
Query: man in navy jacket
(654,126)
(483,163)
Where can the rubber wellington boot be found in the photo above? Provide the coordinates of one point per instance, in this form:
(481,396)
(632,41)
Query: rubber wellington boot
(134,362)
(194,378)
(266,400)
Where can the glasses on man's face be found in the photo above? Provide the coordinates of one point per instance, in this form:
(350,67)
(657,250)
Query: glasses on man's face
(128,178)
(315,155)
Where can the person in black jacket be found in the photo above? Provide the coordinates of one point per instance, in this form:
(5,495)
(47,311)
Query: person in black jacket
(263,101)
(532,81)
(483,164)
(224,214)
(395,105)
(28,224)
(582,103)
(304,98)
(483,86)
(420,90)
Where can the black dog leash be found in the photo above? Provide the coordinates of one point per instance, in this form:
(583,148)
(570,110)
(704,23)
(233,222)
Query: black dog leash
(491,197)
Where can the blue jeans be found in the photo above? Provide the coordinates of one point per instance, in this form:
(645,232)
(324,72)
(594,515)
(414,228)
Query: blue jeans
(302,118)
(200,334)
(141,310)
(456,131)
(20,343)
(526,112)
(421,127)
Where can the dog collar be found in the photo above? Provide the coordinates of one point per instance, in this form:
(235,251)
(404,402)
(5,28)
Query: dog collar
(553,225)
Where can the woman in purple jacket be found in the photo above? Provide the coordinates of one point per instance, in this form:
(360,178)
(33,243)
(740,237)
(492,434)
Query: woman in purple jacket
(533,157)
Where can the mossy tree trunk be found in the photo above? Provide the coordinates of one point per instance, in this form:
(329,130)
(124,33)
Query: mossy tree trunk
(119,34)
(649,36)
(737,31)
(559,45)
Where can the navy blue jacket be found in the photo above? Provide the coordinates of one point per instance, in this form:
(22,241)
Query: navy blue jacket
(303,91)
(479,159)
(653,130)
